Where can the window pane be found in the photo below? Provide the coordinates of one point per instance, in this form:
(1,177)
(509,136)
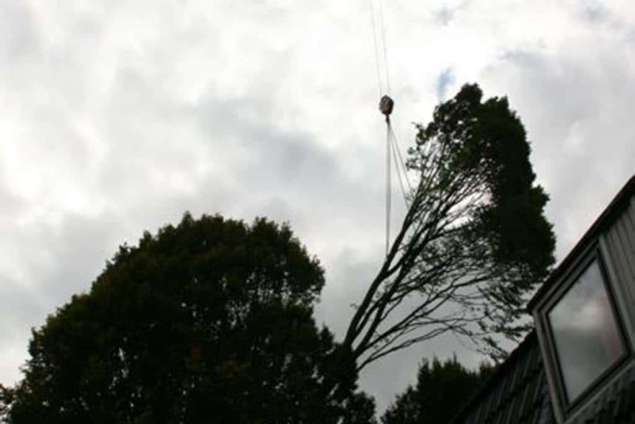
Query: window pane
(585,332)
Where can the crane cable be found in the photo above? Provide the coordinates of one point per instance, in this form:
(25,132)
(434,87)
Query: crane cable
(376,47)
(379,43)
(386,105)
(383,43)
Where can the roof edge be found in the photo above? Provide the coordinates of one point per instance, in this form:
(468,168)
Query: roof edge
(603,220)
(501,370)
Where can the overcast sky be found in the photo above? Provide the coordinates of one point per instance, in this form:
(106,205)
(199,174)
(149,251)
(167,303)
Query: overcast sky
(118,116)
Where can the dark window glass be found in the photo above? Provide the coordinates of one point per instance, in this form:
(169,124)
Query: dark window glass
(585,332)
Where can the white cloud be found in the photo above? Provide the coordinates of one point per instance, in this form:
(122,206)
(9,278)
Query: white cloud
(118,117)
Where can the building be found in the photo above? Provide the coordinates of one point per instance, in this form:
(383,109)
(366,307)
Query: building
(578,365)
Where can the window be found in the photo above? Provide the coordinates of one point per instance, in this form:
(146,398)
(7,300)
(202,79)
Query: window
(586,334)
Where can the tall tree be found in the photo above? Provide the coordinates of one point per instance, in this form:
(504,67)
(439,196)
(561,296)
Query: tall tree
(440,389)
(474,240)
(209,321)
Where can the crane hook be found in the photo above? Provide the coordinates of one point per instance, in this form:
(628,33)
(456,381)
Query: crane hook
(386,105)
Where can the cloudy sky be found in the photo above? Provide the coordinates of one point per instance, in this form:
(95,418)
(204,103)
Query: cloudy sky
(118,116)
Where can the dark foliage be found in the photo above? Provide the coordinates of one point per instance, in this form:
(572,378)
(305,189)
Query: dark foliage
(440,391)
(474,241)
(207,322)
(6,398)
(488,139)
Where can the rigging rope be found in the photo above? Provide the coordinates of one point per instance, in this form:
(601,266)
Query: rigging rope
(404,169)
(385,105)
(388,183)
(399,167)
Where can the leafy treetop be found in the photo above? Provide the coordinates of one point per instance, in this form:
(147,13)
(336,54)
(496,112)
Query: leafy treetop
(208,321)
(441,388)
(473,243)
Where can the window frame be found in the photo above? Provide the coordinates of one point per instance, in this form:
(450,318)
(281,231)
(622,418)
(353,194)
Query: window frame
(569,279)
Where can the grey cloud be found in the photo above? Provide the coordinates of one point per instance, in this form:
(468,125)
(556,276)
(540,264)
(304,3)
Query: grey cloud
(347,277)
(20,306)
(63,259)
(25,306)
(446,14)
(17,30)
(52,262)
(78,247)
(124,116)
(577,110)
(11,204)
(287,164)
(594,11)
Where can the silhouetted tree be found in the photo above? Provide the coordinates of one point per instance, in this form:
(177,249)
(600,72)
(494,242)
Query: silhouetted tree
(209,321)
(474,241)
(6,398)
(440,392)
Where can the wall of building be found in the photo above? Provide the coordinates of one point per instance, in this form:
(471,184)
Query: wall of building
(619,245)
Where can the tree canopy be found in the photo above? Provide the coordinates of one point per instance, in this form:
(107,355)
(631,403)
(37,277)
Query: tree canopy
(441,388)
(212,320)
(208,321)
(473,243)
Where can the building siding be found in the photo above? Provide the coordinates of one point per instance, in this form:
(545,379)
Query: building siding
(519,391)
(619,241)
